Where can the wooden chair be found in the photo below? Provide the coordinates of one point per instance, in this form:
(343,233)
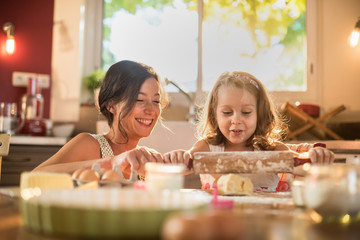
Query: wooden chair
(309,122)
(4,147)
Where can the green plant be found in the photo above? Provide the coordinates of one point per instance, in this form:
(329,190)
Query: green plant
(93,81)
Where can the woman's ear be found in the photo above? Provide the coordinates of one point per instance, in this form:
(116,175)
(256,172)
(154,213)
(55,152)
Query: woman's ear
(110,107)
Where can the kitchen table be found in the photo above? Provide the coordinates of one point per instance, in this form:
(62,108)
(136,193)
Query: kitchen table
(260,220)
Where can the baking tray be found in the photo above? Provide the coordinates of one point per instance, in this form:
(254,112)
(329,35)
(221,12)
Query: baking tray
(104,212)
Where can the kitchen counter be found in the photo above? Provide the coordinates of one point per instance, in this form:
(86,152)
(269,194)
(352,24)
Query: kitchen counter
(25,153)
(259,220)
(31,140)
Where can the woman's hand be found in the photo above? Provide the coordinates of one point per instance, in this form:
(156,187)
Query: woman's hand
(136,159)
(178,156)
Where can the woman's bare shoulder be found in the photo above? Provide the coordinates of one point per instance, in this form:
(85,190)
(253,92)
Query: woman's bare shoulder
(84,137)
(82,147)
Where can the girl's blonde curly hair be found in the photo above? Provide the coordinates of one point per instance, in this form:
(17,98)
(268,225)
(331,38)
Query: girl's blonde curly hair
(269,129)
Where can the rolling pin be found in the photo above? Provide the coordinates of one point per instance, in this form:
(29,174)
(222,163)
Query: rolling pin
(246,162)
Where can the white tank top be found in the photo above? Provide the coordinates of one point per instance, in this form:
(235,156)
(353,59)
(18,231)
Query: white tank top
(105,148)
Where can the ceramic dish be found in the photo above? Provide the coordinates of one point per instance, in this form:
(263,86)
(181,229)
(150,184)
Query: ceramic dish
(104,212)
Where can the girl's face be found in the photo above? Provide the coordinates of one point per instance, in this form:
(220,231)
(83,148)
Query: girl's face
(143,117)
(236,115)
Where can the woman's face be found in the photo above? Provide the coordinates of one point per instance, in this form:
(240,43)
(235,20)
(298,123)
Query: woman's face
(236,115)
(143,117)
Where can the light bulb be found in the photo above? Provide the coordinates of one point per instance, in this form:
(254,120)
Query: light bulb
(8,28)
(10,45)
(354,37)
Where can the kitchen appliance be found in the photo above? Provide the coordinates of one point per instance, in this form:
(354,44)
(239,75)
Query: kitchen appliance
(32,104)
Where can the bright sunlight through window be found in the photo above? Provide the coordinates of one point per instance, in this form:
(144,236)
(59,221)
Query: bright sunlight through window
(264,38)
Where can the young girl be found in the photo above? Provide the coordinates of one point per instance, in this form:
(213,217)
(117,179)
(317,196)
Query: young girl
(239,116)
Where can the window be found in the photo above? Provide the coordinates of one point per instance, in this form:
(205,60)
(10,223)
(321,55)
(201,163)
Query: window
(163,36)
(193,42)
(264,38)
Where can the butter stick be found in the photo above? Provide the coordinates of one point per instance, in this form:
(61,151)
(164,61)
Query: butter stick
(46,180)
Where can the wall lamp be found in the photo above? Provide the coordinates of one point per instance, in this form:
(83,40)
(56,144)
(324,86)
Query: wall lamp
(10,41)
(355,35)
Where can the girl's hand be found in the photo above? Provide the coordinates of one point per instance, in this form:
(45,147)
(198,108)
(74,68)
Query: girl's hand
(300,148)
(319,155)
(177,156)
(136,159)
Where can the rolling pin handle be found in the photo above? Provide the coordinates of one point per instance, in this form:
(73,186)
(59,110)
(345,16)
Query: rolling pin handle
(323,145)
(190,164)
(301,161)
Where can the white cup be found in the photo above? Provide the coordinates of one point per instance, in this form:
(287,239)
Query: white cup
(8,118)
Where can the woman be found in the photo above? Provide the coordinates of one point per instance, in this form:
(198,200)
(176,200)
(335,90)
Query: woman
(131,98)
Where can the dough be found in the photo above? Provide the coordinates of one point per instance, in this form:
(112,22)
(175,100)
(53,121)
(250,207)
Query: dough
(233,184)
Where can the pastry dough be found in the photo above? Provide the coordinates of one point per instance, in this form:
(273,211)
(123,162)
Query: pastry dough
(233,184)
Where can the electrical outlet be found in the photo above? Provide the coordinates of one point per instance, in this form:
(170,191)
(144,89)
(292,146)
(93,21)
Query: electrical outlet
(21,79)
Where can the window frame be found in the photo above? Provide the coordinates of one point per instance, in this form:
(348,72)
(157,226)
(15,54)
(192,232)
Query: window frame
(92,55)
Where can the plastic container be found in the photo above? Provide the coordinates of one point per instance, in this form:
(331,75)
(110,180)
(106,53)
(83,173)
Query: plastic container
(164,176)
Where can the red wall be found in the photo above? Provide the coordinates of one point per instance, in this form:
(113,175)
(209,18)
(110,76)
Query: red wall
(33,21)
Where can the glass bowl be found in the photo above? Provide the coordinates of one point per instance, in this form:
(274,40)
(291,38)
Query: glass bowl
(333,191)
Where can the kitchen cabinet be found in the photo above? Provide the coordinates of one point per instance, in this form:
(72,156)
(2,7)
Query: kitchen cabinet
(25,154)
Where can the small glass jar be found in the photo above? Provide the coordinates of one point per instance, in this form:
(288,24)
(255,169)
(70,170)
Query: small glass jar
(333,191)
(164,176)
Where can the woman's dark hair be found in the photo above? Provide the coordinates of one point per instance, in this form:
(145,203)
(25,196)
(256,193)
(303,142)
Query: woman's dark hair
(122,83)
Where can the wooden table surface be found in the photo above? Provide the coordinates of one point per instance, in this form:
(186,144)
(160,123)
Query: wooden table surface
(267,221)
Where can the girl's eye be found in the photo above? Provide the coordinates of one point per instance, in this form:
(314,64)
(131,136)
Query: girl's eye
(139,100)
(226,113)
(157,102)
(246,113)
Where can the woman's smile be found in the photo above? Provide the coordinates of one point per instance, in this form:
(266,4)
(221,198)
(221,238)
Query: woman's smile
(143,121)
